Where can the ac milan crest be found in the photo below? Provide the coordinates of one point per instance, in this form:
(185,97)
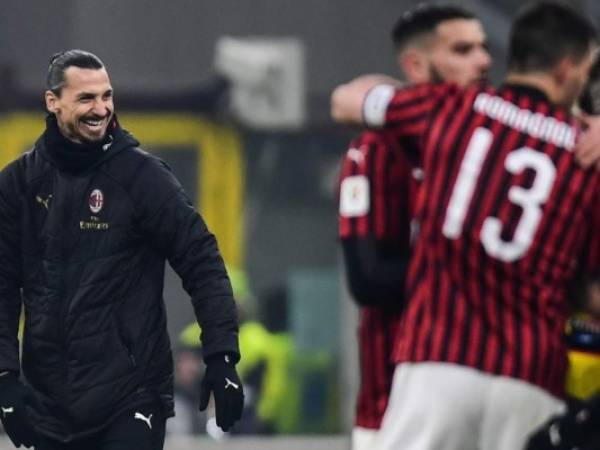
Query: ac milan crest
(96,201)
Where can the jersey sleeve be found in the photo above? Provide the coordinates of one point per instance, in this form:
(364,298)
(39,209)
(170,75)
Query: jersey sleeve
(405,111)
(375,219)
(373,189)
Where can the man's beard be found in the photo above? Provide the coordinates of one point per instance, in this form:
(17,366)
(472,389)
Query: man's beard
(434,75)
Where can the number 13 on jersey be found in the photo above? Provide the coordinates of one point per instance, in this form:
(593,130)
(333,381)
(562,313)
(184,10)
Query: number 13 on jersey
(529,199)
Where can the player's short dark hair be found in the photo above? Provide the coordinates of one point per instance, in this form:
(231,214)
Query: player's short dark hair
(60,62)
(545,32)
(422,20)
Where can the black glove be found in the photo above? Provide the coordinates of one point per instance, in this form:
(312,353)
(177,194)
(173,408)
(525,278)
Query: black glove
(578,428)
(14,398)
(222,379)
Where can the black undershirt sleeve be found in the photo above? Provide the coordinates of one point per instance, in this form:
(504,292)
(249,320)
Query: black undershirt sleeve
(375,276)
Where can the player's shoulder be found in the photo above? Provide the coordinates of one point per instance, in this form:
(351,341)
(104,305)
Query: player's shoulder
(137,160)
(439,89)
(23,171)
(372,140)
(134,167)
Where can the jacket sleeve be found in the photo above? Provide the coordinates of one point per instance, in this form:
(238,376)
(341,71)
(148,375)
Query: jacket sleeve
(10,273)
(169,220)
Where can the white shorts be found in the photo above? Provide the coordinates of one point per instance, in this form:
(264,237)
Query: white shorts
(441,406)
(364,438)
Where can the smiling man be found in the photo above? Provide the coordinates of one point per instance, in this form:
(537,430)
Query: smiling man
(87,221)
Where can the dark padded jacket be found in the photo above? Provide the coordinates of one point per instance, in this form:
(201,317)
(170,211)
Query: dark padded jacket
(88,252)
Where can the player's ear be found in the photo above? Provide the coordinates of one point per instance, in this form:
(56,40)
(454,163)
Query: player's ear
(413,64)
(52,101)
(563,69)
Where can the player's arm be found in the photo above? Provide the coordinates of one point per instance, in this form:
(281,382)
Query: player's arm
(347,99)
(404,111)
(170,222)
(10,272)
(374,278)
(374,258)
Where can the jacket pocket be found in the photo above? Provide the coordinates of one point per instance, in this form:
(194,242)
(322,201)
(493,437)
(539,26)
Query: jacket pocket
(126,342)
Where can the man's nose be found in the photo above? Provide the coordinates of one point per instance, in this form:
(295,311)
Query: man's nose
(100,107)
(484,59)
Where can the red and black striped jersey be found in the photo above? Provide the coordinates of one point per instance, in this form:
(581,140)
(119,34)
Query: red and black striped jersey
(375,192)
(507,217)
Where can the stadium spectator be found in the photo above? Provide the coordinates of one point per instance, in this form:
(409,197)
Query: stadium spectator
(432,43)
(189,369)
(87,221)
(480,352)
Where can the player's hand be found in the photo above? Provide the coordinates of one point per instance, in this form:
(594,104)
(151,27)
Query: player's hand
(587,150)
(222,380)
(14,398)
(579,427)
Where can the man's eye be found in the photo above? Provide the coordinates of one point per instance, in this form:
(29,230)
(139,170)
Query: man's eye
(462,49)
